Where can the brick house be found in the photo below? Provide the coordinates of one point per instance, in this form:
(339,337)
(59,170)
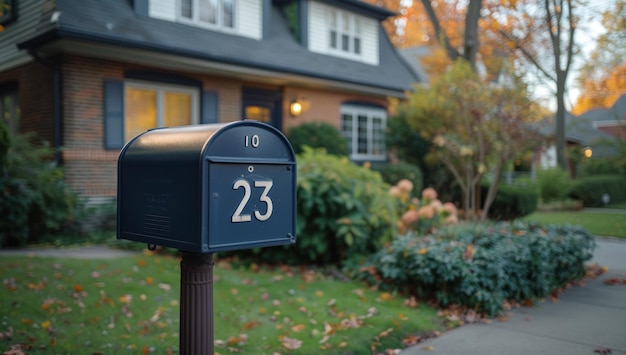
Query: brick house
(89,75)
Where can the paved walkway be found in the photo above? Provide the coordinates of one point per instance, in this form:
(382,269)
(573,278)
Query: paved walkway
(584,320)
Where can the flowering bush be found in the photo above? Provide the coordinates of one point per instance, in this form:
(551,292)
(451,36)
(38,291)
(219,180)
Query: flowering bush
(425,215)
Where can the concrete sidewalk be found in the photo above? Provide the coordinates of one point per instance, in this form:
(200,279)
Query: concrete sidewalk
(584,320)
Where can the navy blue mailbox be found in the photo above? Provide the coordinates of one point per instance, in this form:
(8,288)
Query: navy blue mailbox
(208,188)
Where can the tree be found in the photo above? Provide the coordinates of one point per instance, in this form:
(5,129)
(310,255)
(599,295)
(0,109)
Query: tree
(610,49)
(475,128)
(602,93)
(550,50)
(603,76)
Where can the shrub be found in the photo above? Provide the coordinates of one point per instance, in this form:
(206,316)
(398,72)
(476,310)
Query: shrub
(513,201)
(554,184)
(344,212)
(318,135)
(392,173)
(33,194)
(590,189)
(598,166)
(481,267)
(422,215)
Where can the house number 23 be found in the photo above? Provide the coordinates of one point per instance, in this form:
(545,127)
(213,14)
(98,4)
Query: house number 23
(247,191)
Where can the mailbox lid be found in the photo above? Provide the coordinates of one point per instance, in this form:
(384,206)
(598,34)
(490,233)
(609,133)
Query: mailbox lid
(250,141)
(169,144)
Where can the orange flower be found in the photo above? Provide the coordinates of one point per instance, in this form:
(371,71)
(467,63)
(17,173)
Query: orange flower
(395,191)
(450,207)
(429,194)
(405,185)
(437,205)
(409,217)
(78,288)
(427,212)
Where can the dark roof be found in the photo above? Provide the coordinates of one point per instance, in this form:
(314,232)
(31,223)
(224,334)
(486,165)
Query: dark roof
(115,22)
(413,56)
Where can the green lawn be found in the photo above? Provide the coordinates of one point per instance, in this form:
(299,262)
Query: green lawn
(131,305)
(598,223)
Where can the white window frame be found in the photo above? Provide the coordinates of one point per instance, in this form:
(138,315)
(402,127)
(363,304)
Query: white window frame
(161,89)
(352,136)
(195,15)
(336,19)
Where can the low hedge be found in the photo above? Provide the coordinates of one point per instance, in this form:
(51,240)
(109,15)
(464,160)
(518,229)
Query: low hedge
(513,201)
(481,267)
(591,188)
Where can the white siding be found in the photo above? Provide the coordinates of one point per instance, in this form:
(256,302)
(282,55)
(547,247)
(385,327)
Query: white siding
(369,40)
(319,31)
(249,18)
(317,27)
(162,9)
(29,12)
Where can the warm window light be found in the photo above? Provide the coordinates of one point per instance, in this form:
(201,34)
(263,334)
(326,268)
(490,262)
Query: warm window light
(295,108)
(588,152)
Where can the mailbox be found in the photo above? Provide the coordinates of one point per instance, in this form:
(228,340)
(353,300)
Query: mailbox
(208,188)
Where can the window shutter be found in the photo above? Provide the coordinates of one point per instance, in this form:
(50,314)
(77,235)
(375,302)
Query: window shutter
(113,114)
(209,107)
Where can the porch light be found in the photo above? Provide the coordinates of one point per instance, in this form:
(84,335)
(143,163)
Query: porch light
(588,152)
(295,108)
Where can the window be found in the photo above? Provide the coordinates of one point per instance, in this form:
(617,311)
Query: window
(214,13)
(363,127)
(148,106)
(345,32)
(8,12)
(10,110)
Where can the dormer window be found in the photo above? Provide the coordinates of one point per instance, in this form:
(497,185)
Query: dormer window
(345,32)
(339,32)
(214,13)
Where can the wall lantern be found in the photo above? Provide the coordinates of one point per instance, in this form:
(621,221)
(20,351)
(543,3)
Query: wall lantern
(295,108)
(588,152)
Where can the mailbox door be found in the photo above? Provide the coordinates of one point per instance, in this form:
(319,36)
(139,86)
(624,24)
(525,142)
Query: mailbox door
(249,207)
(251,188)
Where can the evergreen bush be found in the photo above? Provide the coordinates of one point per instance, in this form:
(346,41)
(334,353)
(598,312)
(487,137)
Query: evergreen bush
(482,266)
(317,135)
(513,202)
(590,189)
(554,184)
(35,202)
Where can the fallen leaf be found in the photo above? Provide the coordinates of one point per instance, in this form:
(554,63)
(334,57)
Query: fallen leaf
(290,343)
(411,340)
(386,296)
(298,328)
(78,288)
(411,302)
(603,351)
(428,348)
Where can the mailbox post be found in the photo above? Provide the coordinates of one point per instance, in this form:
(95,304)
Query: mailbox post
(204,189)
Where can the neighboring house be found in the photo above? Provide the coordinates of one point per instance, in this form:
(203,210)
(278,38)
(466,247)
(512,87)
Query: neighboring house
(591,131)
(611,121)
(89,75)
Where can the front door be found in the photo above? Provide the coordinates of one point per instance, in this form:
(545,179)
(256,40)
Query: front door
(263,105)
